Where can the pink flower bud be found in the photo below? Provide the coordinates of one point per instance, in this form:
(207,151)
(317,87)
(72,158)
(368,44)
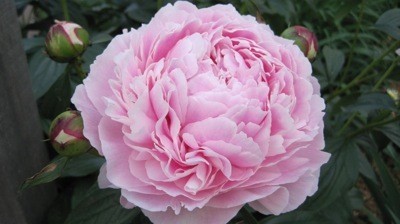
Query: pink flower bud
(65,41)
(304,38)
(66,134)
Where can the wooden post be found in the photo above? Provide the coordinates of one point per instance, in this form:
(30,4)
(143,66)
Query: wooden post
(22,152)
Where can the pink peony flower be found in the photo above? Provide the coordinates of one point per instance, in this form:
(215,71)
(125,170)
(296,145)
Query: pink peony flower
(202,111)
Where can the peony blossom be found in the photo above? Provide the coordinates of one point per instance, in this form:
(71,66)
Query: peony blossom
(202,111)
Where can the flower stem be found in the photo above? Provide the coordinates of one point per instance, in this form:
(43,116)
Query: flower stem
(348,122)
(387,73)
(77,63)
(373,125)
(383,77)
(364,72)
(355,38)
(248,218)
(64,7)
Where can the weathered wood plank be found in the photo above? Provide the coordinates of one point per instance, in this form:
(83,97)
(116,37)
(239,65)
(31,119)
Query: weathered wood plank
(22,152)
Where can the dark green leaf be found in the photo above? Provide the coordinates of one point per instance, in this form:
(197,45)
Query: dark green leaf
(81,188)
(295,217)
(101,38)
(334,60)
(101,207)
(90,54)
(282,7)
(392,131)
(49,173)
(365,167)
(389,186)
(57,99)
(389,22)
(44,73)
(372,101)
(344,9)
(82,165)
(337,176)
(391,151)
(141,12)
(31,44)
(45,123)
(340,210)
(379,198)
(372,217)
(60,208)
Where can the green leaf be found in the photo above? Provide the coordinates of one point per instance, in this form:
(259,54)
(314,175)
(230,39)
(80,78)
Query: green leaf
(101,207)
(365,167)
(334,60)
(391,151)
(90,54)
(340,210)
(372,101)
(140,11)
(44,73)
(389,22)
(81,188)
(45,123)
(101,38)
(389,186)
(31,44)
(372,217)
(295,217)
(344,8)
(395,216)
(57,99)
(283,7)
(378,196)
(337,176)
(82,165)
(49,173)
(392,131)
(60,208)
(387,193)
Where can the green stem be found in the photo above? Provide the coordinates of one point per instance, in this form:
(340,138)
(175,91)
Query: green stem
(383,77)
(248,218)
(373,125)
(360,17)
(348,122)
(364,72)
(77,63)
(387,73)
(64,7)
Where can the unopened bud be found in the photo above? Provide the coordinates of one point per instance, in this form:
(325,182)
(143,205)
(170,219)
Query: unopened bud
(304,38)
(66,134)
(66,41)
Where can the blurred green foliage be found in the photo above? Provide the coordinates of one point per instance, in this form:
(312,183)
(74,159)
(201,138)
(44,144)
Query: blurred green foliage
(356,65)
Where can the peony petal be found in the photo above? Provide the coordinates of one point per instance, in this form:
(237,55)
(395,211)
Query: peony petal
(274,203)
(212,129)
(90,116)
